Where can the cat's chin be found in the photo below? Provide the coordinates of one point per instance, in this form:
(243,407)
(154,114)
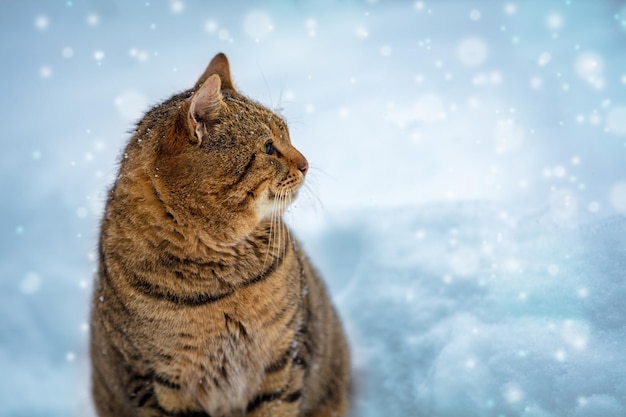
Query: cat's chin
(271,205)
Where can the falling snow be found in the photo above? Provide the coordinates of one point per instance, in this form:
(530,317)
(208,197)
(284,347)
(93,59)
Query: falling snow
(469,203)
(131,105)
(257,25)
(31,283)
(42,22)
(45,71)
(93,19)
(472,51)
(67,52)
(98,55)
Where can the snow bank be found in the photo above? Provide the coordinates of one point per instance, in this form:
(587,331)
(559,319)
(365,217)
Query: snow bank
(466,310)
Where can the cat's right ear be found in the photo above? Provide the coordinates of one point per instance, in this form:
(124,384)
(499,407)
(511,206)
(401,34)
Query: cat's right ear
(219,65)
(205,106)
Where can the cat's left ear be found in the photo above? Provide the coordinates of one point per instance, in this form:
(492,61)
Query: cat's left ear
(205,105)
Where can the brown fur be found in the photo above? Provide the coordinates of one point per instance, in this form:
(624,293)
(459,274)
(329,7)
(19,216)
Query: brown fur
(203,304)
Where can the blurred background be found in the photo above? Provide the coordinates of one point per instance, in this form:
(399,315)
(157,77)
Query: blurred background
(466,198)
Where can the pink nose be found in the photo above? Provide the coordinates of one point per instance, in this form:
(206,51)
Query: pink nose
(303,166)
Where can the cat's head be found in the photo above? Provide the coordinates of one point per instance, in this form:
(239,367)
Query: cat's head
(223,163)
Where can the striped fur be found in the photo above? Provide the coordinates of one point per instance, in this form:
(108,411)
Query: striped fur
(203,304)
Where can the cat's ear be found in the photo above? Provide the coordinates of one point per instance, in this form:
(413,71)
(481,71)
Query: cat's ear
(205,106)
(219,65)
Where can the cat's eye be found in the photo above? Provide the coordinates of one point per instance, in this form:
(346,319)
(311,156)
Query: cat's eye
(270,149)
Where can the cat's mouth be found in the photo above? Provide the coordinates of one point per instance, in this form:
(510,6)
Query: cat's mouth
(286,190)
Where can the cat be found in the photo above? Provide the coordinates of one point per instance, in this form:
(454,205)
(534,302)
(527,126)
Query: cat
(203,304)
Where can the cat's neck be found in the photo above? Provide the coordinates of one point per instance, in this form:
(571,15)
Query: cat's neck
(161,232)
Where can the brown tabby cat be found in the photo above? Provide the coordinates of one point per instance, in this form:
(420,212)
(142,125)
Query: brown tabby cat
(203,304)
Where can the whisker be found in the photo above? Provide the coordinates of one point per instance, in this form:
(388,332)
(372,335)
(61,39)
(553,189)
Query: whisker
(279,215)
(285,204)
(316,170)
(282,210)
(267,252)
(233,195)
(276,229)
(267,86)
(280,97)
(277,233)
(270,238)
(310,196)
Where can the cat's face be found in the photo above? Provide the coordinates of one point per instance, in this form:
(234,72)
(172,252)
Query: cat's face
(252,150)
(226,160)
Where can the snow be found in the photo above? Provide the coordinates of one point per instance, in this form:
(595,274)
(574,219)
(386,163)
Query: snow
(618,196)
(472,52)
(466,200)
(468,312)
(257,25)
(616,120)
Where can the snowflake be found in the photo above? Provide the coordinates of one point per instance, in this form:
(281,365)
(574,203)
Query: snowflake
(554,21)
(311,26)
(618,196)
(361,32)
(98,55)
(475,15)
(211,26)
(177,6)
(42,22)
(81,212)
(93,19)
(67,52)
(31,283)
(616,121)
(560,355)
(510,8)
(512,393)
(385,50)
(472,51)
(45,72)
(544,59)
(257,25)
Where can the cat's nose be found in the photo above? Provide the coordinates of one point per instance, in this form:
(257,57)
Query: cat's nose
(303,166)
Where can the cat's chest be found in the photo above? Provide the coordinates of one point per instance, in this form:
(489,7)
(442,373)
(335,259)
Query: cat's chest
(221,351)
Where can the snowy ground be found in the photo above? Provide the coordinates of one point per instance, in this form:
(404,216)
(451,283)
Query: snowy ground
(468,185)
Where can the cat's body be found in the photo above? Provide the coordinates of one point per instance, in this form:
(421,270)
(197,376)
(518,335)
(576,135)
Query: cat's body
(203,305)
